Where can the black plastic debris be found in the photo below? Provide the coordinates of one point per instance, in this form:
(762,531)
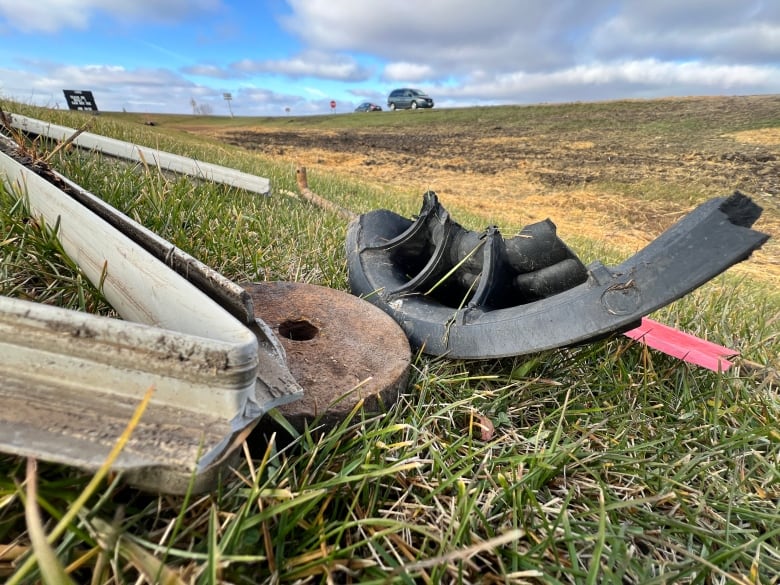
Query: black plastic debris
(477,295)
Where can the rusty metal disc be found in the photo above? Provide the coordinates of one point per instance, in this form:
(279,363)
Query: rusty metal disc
(340,349)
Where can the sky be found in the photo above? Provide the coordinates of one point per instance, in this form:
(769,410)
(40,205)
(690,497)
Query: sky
(292,57)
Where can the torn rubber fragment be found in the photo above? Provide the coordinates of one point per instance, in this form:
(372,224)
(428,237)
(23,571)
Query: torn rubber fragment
(477,295)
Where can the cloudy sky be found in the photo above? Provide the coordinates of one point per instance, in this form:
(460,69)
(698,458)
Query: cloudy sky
(271,55)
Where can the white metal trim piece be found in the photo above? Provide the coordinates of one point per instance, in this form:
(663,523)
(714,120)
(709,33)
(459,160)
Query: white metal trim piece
(130,151)
(137,285)
(198,356)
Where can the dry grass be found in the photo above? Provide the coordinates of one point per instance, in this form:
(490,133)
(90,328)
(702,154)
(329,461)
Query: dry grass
(765,136)
(515,197)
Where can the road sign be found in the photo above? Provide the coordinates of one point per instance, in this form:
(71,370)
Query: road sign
(227,97)
(80,100)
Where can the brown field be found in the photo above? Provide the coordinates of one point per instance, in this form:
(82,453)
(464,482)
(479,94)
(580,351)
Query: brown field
(620,175)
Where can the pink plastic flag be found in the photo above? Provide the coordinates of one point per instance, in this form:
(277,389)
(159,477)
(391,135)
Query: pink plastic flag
(682,345)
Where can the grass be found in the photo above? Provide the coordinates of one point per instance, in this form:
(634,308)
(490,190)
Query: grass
(605,463)
(687,120)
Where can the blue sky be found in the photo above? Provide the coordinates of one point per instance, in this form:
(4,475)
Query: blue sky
(275,55)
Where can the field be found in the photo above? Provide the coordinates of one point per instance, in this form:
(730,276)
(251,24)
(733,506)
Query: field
(603,463)
(617,172)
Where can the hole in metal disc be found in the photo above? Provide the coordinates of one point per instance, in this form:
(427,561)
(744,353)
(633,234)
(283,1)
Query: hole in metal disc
(298,330)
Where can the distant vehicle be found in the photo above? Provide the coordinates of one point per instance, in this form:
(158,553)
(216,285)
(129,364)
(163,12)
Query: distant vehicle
(368,107)
(407,97)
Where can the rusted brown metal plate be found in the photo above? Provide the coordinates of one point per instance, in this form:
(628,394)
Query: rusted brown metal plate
(340,349)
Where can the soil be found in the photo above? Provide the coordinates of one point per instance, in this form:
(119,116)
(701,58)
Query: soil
(622,175)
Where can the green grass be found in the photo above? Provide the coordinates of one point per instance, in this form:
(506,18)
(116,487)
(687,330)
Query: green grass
(606,463)
(687,119)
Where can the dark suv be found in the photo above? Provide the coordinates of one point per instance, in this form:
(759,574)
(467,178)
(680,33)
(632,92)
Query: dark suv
(408,98)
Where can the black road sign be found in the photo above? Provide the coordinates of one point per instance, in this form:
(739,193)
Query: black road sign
(80,100)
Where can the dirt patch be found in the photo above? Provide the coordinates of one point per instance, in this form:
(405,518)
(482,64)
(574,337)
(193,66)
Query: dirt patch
(622,177)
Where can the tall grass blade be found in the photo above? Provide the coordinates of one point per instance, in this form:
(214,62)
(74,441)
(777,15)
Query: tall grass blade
(52,571)
(91,487)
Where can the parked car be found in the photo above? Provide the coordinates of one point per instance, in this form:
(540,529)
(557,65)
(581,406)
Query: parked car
(407,97)
(368,107)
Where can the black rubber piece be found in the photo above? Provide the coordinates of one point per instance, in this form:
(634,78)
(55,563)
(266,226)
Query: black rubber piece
(477,295)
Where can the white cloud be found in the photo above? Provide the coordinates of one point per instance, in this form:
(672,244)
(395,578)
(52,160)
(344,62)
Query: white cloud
(309,64)
(650,77)
(451,36)
(256,101)
(442,39)
(463,52)
(212,71)
(318,93)
(113,86)
(50,16)
(411,72)
(46,16)
(724,30)
(525,50)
